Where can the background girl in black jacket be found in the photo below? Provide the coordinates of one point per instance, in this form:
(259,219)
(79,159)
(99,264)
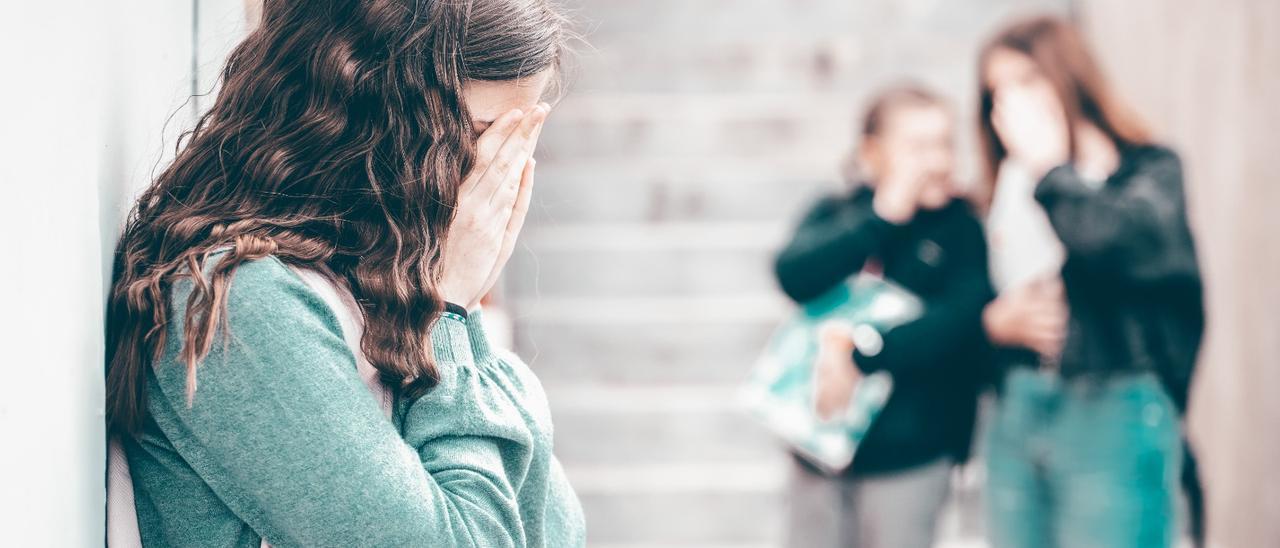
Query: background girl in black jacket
(906,223)
(1085,448)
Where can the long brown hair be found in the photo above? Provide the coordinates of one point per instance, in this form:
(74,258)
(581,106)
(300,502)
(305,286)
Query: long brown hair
(1060,53)
(337,142)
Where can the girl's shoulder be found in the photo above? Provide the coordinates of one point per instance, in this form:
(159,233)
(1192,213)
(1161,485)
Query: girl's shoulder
(258,293)
(248,278)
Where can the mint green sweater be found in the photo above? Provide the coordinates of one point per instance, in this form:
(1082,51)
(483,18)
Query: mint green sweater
(284,443)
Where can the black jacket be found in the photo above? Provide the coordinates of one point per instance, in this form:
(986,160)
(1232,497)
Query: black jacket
(937,360)
(1132,281)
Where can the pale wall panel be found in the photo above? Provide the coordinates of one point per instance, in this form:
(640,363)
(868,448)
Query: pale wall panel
(94,100)
(1206,73)
(87,90)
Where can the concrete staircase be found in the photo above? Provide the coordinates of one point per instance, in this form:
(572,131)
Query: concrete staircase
(641,345)
(642,331)
(694,134)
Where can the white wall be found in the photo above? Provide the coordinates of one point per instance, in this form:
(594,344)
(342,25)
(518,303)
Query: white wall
(91,103)
(50,282)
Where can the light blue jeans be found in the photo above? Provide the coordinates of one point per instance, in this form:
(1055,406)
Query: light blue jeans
(1083,463)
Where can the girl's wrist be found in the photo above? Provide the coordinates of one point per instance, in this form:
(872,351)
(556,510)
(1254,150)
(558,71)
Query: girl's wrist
(452,296)
(454,308)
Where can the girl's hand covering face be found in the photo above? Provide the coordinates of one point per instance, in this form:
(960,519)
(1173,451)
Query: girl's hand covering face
(898,194)
(492,203)
(1033,127)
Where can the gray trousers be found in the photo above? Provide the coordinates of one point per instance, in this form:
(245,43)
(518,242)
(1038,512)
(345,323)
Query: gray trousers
(897,510)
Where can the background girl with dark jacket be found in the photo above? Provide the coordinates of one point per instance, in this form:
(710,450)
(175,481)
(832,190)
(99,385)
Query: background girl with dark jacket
(906,223)
(1085,449)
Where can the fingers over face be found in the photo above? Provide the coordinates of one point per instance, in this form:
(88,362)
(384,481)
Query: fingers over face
(524,197)
(487,147)
(520,142)
(504,173)
(519,209)
(491,140)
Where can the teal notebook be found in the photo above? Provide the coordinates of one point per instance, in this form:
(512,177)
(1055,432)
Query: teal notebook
(780,391)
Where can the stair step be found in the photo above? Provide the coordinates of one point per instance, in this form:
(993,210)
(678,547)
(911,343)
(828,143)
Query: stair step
(591,273)
(630,398)
(635,259)
(764,476)
(620,125)
(687,545)
(749,235)
(659,425)
(735,189)
(660,311)
(678,341)
(706,518)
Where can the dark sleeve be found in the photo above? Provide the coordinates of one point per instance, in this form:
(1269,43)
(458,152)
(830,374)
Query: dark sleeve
(1131,234)
(951,326)
(832,243)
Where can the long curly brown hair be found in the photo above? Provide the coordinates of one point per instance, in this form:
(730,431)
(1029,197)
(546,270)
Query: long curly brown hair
(337,142)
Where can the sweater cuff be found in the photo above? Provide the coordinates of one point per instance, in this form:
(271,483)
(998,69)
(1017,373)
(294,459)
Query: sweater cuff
(455,309)
(450,340)
(1059,181)
(478,338)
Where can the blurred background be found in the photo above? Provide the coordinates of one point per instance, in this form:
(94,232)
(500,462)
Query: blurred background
(693,134)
